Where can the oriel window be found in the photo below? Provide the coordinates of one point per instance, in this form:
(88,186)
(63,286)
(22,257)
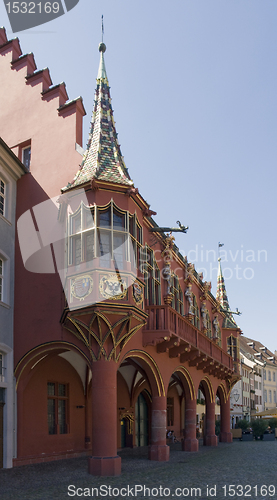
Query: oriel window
(112,236)
(81,236)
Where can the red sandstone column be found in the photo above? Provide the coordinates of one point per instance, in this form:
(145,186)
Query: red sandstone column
(104,460)
(225,434)
(211,438)
(190,443)
(158,449)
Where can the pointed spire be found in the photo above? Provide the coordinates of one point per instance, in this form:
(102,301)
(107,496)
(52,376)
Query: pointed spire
(221,297)
(102,74)
(102,159)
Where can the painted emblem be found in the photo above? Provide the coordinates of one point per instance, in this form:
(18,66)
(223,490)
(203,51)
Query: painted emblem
(112,287)
(137,292)
(81,287)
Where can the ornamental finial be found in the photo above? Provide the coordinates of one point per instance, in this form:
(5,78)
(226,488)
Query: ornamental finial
(102,46)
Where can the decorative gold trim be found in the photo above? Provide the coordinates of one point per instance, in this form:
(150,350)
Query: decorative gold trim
(120,333)
(160,384)
(189,379)
(225,394)
(210,388)
(68,344)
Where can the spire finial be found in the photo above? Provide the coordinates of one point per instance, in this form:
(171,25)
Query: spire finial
(102,46)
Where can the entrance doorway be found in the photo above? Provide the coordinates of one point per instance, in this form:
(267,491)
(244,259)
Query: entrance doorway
(141,416)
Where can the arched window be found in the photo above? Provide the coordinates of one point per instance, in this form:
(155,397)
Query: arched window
(135,231)
(195,311)
(232,347)
(176,290)
(152,277)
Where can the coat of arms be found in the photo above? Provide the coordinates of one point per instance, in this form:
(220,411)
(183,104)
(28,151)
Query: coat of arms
(81,287)
(137,292)
(112,287)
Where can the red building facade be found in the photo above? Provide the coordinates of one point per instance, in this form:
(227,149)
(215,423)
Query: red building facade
(115,332)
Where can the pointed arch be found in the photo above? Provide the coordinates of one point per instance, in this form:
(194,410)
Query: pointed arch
(222,393)
(151,369)
(208,388)
(189,385)
(39,352)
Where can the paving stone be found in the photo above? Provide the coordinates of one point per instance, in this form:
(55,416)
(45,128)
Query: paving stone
(239,464)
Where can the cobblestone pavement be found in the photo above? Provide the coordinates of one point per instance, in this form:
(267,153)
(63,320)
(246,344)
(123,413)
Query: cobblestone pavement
(251,467)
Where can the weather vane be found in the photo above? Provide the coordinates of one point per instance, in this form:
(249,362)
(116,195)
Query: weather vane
(102,27)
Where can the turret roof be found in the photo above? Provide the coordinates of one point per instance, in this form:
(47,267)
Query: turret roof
(102,159)
(221,297)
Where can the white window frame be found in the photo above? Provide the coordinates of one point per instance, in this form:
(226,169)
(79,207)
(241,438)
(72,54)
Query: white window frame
(3,195)
(5,293)
(2,367)
(2,282)
(7,212)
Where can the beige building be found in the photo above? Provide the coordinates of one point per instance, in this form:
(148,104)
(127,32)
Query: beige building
(267,372)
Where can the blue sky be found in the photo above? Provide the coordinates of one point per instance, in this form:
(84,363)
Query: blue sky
(193,84)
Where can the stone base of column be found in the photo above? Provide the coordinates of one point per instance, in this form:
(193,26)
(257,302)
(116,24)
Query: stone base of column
(226,437)
(211,440)
(158,453)
(104,466)
(190,444)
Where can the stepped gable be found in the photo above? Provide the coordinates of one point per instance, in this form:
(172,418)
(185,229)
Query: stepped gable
(221,297)
(103,159)
(35,77)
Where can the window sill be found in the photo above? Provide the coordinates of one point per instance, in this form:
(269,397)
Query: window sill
(4,305)
(5,220)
